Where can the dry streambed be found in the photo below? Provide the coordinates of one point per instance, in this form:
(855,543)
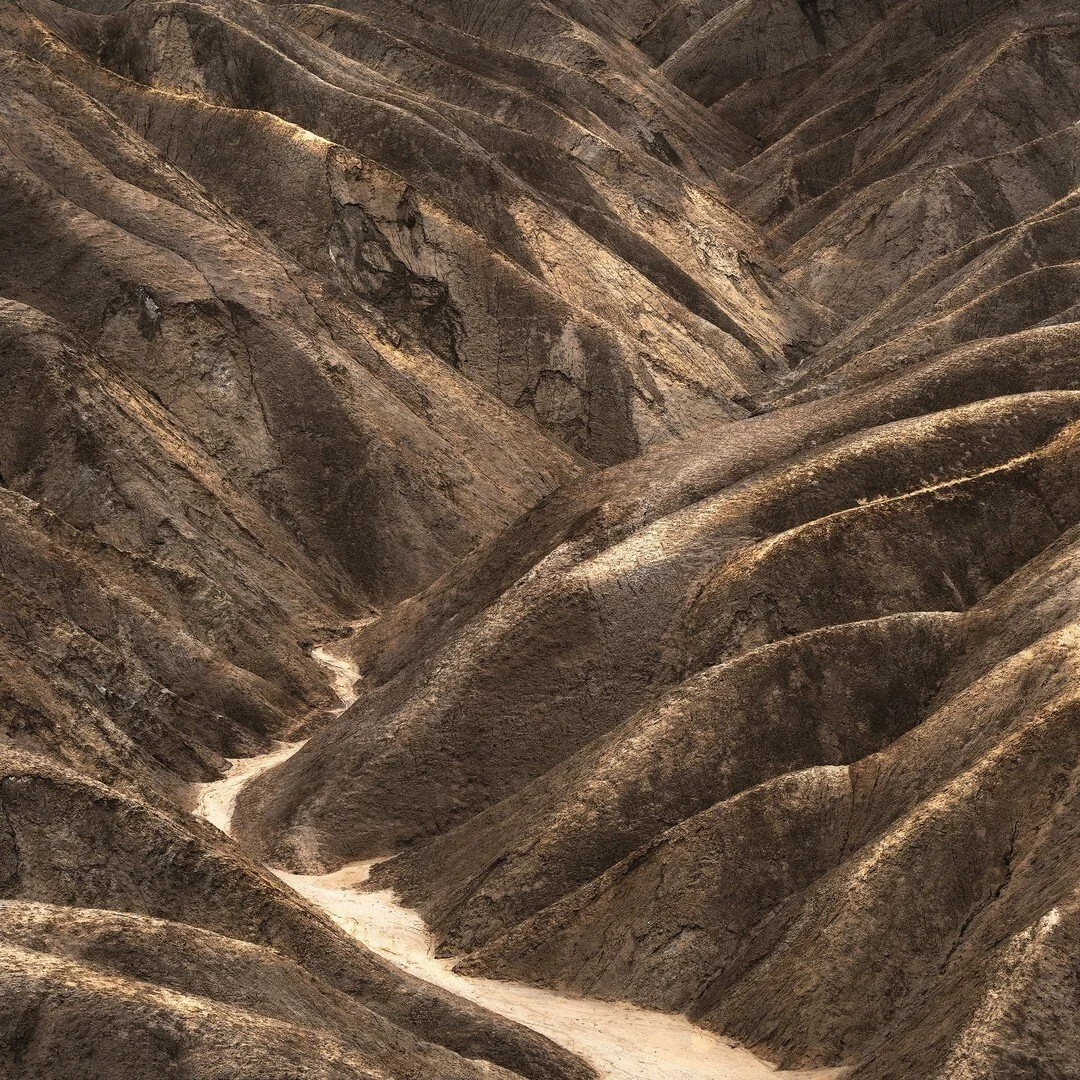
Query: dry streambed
(622,1042)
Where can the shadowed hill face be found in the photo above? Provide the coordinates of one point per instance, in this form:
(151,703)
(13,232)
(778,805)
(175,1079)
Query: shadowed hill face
(690,389)
(793,687)
(805,698)
(547,235)
(211,955)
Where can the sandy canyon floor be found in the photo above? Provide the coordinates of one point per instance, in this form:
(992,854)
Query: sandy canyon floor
(620,1041)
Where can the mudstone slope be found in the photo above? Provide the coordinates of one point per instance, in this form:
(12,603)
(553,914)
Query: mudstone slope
(683,400)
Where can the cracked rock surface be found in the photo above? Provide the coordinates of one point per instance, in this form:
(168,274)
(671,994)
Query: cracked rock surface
(672,410)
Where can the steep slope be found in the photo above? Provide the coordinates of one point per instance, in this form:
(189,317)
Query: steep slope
(162,865)
(673,411)
(691,685)
(921,197)
(181,299)
(525,236)
(606,616)
(994,749)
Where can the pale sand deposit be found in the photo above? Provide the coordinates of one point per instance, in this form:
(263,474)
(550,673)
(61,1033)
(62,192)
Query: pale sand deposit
(622,1042)
(217,801)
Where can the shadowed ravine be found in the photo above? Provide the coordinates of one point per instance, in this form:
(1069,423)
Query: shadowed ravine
(620,1041)
(692,387)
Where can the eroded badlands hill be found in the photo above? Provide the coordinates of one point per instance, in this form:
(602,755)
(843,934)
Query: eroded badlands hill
(692,387)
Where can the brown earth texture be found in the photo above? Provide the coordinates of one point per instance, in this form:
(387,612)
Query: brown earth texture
(539,539)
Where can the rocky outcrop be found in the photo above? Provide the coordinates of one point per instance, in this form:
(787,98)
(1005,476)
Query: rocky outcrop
(682,399)
(524,227)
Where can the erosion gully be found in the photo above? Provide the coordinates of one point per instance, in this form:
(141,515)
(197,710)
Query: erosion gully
(622,1042)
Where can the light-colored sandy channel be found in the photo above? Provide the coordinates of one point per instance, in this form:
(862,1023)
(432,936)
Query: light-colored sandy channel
(622,1042)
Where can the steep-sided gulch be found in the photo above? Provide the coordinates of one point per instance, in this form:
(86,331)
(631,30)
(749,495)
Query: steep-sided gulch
(690,389)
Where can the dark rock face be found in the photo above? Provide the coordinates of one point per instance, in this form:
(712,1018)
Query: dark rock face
(690,387)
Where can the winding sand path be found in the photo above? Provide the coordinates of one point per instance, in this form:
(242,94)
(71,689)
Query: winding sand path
(622,1042)
(217,801)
